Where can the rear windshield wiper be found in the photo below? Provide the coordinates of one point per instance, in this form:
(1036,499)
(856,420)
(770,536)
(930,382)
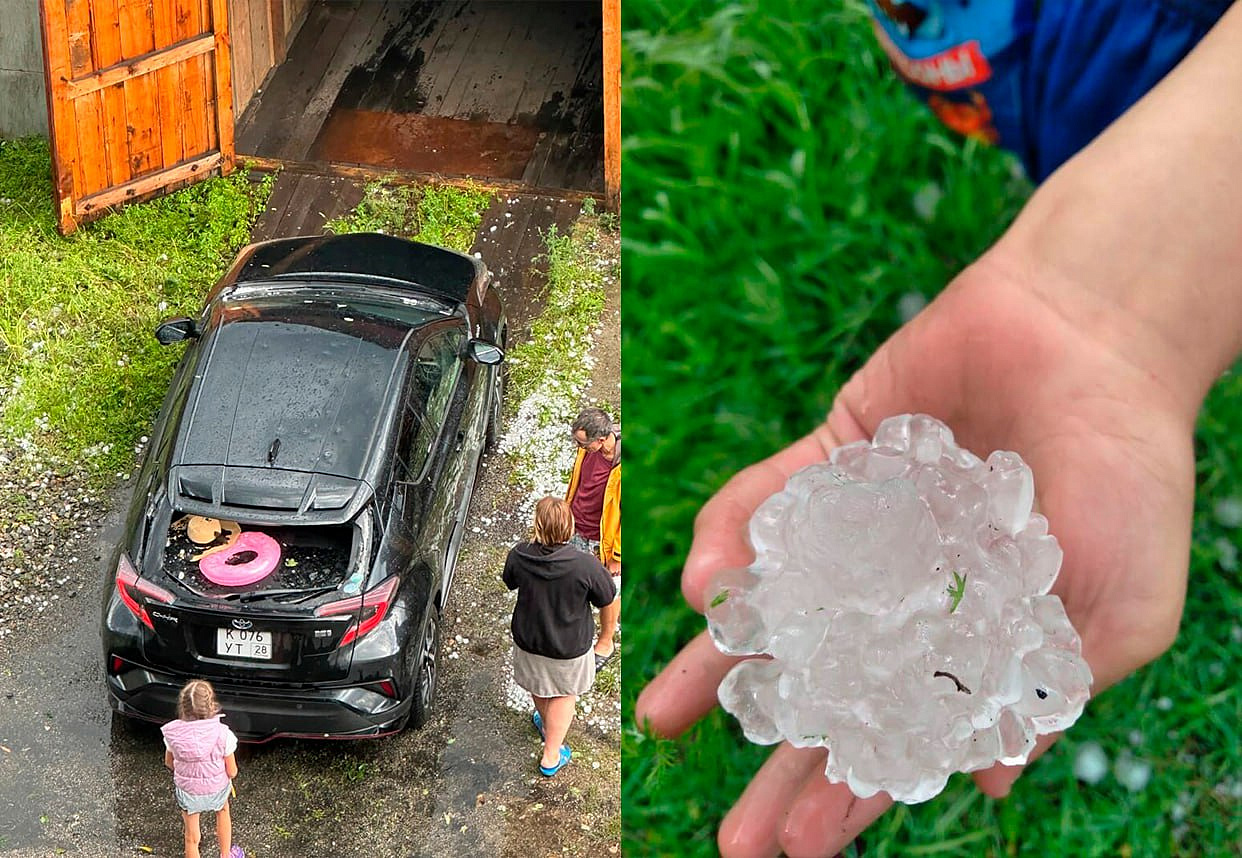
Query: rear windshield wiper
(276,594)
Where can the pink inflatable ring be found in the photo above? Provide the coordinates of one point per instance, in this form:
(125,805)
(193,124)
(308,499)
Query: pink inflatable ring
(251,558)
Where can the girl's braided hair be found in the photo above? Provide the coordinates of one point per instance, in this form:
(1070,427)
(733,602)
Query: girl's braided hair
(197,701)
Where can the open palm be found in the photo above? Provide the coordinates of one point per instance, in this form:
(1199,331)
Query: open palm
(1113,464)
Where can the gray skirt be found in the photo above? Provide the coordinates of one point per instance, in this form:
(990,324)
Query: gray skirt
(553,677)
(192,803)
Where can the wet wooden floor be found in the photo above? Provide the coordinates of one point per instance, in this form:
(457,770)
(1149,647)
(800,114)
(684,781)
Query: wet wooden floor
(503,90)
(302,203)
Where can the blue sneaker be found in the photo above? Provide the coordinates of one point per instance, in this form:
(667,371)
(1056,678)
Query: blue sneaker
(566,754)
(538,722)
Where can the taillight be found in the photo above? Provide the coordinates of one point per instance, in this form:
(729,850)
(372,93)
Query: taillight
(374,601)
(130,587)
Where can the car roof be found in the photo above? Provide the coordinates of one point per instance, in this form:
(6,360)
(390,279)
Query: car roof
(291,401)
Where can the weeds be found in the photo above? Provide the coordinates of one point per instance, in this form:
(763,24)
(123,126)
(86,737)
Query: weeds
(437,214)
(608,680)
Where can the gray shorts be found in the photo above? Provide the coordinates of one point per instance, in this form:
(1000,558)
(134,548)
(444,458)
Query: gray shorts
(191,803)
(553,677)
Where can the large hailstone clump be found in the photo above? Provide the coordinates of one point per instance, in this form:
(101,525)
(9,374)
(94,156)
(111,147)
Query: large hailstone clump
(901,590)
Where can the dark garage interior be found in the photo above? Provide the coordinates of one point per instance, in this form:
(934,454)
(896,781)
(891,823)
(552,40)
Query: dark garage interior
(495,90)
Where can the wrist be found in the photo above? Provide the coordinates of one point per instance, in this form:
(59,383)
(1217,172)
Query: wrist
(1138,238)
(1141,332)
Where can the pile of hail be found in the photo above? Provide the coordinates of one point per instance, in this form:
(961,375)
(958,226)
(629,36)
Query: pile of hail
(901,592)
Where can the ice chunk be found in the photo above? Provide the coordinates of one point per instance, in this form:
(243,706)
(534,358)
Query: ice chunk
(901,591)
(735,621)
(1011,492)
(749,692)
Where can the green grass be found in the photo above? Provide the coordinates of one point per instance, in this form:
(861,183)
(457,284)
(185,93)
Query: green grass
(80,374)
(547,370)
(574,305)
(437,214)
(776,182)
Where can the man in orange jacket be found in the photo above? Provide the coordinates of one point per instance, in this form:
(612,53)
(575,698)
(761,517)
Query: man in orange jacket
(595,497)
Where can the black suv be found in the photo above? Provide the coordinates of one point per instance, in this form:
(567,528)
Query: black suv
(332,407)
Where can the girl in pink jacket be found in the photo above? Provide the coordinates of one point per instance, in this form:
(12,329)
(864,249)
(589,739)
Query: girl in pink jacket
(199,750)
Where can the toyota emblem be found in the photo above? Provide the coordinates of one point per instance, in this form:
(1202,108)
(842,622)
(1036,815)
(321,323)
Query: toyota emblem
(242,624)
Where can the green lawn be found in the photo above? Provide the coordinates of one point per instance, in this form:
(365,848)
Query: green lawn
(782,193)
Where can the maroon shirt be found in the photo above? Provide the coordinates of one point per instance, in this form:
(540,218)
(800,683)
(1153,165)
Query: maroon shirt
(588,502)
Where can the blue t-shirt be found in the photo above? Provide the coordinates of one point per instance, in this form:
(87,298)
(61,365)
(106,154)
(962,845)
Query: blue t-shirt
(1039,77)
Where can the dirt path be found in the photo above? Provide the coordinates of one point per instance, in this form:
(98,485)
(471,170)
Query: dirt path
(73,779)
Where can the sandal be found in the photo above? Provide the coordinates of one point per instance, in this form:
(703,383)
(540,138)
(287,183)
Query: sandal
(601,660)
(538,722)
(237,852)
(566,755)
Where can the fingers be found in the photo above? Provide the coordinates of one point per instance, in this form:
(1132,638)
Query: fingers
(685,690)
(790,808)
(825,817)
(753,827)
(720,529)
(999,779)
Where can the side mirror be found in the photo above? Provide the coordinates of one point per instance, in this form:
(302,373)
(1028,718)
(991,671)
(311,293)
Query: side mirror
(175,330)
(484,352)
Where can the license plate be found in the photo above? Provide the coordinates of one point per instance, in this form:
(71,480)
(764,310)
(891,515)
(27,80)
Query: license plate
(236,643)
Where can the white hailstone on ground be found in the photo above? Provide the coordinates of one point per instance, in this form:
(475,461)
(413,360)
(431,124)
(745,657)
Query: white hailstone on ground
(900,592)
(1090,763)
(1131,772)
(1180,807)
(1228,511)
(926,200)
(1227,554)
(910,305)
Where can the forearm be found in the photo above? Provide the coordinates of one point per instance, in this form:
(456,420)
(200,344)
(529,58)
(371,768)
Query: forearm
(1139,237)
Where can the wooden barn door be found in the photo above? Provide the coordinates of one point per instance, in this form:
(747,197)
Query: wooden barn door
(139,99)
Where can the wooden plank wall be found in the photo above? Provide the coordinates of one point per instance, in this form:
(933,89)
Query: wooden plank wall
(23,104)
(253,55)
(294,14)
(262,31)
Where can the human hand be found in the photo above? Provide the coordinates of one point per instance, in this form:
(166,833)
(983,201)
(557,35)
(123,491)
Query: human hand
(1109,441)
(614,567)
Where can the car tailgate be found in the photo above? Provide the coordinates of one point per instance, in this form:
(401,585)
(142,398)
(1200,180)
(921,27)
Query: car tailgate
(250,643)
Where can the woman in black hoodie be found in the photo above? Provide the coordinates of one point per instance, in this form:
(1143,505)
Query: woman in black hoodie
(553,628)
